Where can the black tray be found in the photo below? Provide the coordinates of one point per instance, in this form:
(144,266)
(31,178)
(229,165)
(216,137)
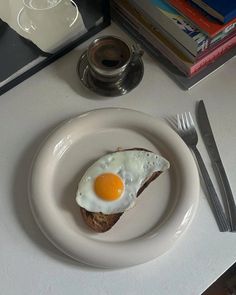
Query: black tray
(17,52)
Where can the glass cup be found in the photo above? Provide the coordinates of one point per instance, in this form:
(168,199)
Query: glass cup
(109,58)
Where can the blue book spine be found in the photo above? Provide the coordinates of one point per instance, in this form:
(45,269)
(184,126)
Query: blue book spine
(226,9)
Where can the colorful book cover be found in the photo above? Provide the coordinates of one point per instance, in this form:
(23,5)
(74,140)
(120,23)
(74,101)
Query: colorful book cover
(142,23)
(212,56)
(162,14)
(200,18)
(185,82)
(187,67)
(181,22)
(224,11)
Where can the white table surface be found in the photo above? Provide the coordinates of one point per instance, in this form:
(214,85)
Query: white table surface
(29,263)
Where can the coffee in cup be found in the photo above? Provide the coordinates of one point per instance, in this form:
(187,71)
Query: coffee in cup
(109,58)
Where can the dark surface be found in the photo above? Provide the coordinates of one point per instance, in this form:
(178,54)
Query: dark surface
(91,11)
(225,285)
(16,51)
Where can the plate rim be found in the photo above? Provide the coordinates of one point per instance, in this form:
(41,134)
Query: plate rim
(88,257)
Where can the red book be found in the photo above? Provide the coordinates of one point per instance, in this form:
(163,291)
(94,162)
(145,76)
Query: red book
(201,19)
(212,56)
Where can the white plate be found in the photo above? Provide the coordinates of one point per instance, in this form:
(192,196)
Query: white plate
(162,214)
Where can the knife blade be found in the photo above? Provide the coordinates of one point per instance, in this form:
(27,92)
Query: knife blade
(209,141)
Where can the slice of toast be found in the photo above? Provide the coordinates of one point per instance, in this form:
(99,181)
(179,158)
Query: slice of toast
(100,222)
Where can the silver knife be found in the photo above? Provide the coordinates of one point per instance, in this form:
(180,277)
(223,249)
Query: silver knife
(208,138)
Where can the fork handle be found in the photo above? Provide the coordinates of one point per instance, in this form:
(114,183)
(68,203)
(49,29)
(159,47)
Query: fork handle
(213,198)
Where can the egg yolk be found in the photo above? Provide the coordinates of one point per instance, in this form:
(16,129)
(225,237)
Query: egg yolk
(108,186)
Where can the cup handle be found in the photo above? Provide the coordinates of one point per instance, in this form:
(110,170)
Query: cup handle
(137,52)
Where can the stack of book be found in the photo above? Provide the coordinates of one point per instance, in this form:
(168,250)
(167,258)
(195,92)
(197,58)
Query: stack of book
(190,38)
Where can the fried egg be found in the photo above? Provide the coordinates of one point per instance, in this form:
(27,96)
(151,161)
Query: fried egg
(111,184)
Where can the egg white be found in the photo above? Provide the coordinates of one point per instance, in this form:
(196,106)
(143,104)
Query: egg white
(134,168)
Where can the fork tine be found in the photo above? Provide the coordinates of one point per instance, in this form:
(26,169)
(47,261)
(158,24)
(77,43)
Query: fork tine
(187,120)
(191,119)
(179,122)
(183,122)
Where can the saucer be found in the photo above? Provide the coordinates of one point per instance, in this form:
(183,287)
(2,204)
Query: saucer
(28,25)
(131,80)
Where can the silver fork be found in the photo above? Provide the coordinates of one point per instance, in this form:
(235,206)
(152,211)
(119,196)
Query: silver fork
(187,131)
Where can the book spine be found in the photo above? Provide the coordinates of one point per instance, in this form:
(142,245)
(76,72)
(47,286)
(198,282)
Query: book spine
(211,57)
(187,68)
(147,44)
(140,21)
(216,45)
(185,82)
(161,47)
(210,10)
(177,26)
(200,18)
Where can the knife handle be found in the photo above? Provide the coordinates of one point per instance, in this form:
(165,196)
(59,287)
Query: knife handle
(229,199)
(213,198)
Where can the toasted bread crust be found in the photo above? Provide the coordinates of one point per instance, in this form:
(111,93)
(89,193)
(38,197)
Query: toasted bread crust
(100,222)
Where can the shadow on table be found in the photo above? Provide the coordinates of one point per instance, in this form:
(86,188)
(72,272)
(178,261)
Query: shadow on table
(22,207)
(66,70)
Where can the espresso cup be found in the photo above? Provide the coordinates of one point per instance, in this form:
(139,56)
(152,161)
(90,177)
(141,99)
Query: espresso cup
(109,58)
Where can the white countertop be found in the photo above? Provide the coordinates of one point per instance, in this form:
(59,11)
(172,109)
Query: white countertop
(29,263)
